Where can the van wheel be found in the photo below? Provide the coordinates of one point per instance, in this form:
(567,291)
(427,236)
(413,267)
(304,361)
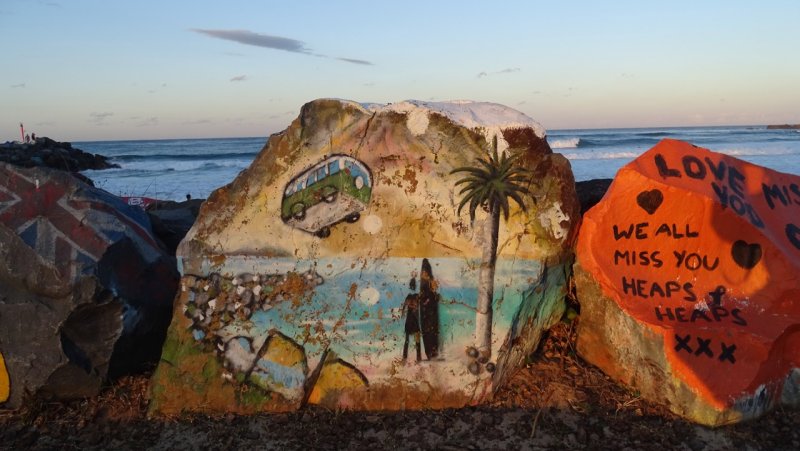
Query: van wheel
(324,232)
(352,218)
(299,211)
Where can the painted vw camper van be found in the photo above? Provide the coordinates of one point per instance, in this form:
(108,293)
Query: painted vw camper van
(336,189)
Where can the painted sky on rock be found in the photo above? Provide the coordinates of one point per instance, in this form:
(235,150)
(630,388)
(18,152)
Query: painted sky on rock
(98,69)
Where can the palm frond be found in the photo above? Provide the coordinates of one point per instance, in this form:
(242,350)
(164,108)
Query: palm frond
(518,199)
(466,199)
(492,180)
(468,169)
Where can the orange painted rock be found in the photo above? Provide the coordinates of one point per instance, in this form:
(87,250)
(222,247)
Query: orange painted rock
(5,387)
(687,278)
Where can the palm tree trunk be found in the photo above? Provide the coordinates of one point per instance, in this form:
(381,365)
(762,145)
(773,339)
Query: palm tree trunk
(483,316)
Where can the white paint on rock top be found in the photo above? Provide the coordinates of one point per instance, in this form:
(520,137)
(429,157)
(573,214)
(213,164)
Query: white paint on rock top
(488,118)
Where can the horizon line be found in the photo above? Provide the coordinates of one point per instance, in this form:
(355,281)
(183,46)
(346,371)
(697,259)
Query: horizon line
(546,130)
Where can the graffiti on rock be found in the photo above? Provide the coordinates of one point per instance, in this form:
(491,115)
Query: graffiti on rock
(411,313)
(334,376)
(673,248)
(226,316)
(489,184)
(336,189)
(422,314)
(51,219)
(401,287)
(312,333)
(281,367)
(712,283)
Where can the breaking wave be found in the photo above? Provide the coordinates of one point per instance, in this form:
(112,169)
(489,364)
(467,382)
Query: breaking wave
(566,143)
(601,155)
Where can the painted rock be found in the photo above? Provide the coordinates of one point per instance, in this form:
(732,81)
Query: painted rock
(5,383)
(687,278)
(381,243)
(281,367)
(85,288)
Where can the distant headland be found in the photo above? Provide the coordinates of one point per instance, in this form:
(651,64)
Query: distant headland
(783,127)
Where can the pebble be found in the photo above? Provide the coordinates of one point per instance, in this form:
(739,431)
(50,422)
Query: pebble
(696,444)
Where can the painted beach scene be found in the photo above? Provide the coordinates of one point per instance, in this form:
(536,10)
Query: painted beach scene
(407,283)
(346,225)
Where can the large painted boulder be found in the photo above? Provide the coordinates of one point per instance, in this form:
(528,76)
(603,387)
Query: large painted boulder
(373,257)
(84,288)
(687,279)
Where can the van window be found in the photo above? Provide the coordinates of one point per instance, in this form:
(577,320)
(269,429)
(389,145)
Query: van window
(320,173)
(355,170)
(333,167)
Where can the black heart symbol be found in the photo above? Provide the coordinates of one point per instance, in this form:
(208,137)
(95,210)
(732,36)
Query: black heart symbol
(746,255)
(650,200)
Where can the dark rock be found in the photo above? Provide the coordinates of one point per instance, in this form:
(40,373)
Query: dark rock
(53,154)
(82,178)
(85,291)
(590,192)
(172,220)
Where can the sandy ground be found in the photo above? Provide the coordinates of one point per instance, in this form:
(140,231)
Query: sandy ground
(556,402)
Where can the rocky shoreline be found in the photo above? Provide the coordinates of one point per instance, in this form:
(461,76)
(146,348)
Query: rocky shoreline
(45,152)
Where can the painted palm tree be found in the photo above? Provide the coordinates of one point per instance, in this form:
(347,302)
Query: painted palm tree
(489,184)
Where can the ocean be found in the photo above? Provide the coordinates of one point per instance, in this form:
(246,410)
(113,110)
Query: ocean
(172,168)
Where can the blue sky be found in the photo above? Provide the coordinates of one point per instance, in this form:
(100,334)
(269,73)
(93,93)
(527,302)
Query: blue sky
(106,69)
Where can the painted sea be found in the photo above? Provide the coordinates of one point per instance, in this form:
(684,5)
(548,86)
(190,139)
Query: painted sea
(368,329)
(172,168)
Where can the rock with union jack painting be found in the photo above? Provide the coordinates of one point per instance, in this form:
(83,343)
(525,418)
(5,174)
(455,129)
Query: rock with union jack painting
(85,288)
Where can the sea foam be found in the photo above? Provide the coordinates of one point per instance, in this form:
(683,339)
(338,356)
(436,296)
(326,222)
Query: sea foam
(566,143)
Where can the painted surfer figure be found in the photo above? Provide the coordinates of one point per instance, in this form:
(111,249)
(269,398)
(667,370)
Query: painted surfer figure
(422,314)
(429,310)
(411,310)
